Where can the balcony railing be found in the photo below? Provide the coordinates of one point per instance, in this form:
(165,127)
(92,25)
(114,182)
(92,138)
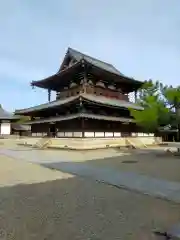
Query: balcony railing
(92,90)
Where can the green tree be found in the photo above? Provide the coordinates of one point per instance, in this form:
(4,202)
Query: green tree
(155,113)
(23,119)
(148,89)
(172,96)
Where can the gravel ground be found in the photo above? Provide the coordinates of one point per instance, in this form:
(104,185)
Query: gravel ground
(14,172)
(62,206)
(153,164)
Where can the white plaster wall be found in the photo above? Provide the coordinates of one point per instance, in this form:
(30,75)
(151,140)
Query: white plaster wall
(77,134)
(5,128)
(117,134)
(60,134)
(39,134)
(68,134)
(99,134)
(89,134)
(108,134)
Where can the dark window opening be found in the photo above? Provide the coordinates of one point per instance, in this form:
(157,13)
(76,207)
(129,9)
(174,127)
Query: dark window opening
(52,130)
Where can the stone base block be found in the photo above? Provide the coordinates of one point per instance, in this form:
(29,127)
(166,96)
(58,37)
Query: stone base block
(98,143)
(94,143)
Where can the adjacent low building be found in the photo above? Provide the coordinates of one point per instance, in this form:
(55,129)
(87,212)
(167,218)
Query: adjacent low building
(9,124)
(20,129)
(6,119)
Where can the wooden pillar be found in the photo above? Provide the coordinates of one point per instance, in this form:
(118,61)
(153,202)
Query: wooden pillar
(56,129)
(85,73)
(81,110)
(135,96)
(48,130)
(49,95)
(82,126)
(85,76)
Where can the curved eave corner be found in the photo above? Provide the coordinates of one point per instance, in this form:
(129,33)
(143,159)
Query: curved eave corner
(41,83)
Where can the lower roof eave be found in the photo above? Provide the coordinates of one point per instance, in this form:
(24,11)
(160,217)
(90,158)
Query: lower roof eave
(90,97)
(82,115)
(46,106)
(10,119)
(117,103)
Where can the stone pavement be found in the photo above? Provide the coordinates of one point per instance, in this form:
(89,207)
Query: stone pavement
(128,180)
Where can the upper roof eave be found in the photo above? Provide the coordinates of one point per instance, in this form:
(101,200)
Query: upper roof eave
(44,82)
(97,64)
(48,82)
(121,78)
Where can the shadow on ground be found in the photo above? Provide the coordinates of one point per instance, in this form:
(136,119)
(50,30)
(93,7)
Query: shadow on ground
(154,163)
(80,209)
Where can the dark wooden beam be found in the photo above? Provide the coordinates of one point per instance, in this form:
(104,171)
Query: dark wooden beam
(49,95)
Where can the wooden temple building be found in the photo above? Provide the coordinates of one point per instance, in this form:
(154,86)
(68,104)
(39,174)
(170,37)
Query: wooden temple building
(91,101)
(9,124)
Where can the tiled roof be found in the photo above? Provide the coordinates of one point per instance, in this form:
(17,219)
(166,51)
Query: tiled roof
(112,102)
(81,115)
(168,129)
(20,127)
(89,97)
(4,115)
(47,105)
(100,64)
(97,66)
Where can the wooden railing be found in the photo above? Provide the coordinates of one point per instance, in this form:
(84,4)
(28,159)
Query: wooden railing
(92,90)
(106,92)
(70,92)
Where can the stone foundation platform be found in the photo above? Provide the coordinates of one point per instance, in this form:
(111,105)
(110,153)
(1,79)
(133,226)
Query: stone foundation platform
(90,143)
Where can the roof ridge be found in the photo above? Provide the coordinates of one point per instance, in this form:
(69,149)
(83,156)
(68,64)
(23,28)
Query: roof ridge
(72,49)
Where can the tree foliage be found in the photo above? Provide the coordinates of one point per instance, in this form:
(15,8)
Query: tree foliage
(148,89)
(172,96)
(161,106)
(23,119)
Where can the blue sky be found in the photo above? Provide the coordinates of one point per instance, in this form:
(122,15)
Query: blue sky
(140,37)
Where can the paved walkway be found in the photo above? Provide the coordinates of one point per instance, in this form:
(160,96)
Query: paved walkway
(129,180)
